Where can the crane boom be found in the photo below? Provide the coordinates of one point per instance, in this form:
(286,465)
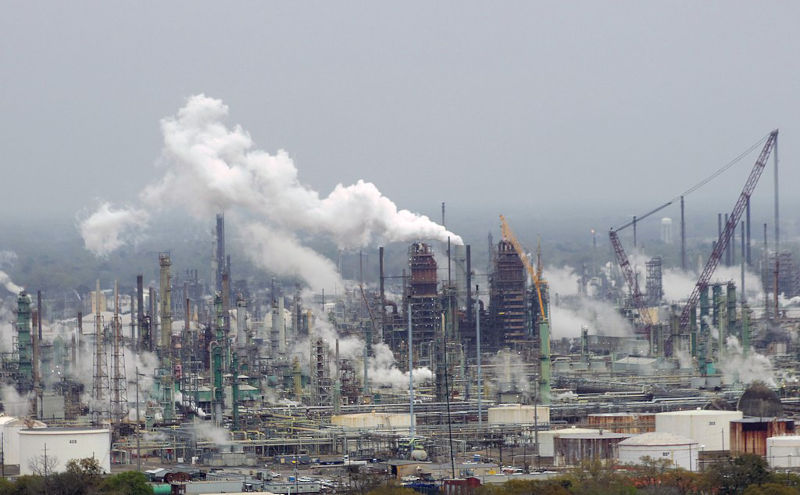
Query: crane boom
(534,274)
(725,235)
(630,278)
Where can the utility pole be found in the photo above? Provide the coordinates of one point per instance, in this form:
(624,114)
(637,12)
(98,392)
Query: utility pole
(683,237)
(138,432)
(410,372)
(478,342)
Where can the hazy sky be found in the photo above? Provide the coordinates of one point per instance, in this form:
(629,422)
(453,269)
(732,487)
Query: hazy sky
(503,105)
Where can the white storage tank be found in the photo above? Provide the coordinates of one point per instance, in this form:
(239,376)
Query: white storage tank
(547,438)
(518,414)
(682,452)
(710,429)
(783,452)
(373,420)
(63,444)
(10,428)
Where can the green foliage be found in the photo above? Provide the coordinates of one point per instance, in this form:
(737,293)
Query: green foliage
(526,487)
(731,478)
(596,477)
(127,483)
(392,489)
(771,489)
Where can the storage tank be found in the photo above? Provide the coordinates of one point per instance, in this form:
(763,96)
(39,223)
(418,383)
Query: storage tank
(10,428)
(783,452)
(680,451)
(571,450)
(711,429)
(749,435)
(373,420)
(547,438)
(63,444)
(623,422)
(518,414)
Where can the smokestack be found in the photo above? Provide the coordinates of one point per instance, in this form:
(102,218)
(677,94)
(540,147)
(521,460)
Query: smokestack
(383,293)
(35,341)
(469,283)
(140,309)
(749,259)
(226,303)
(728,245)
(39,312)
(220,250)
(150,341)
(683,235)
(165,290)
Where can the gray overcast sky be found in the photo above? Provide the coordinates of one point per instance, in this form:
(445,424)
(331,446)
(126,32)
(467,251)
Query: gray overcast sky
(505,104)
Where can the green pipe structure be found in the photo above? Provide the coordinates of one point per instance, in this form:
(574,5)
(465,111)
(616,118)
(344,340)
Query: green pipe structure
(732,308)
(216,353)
(235,390)
(544,351)
(24,343)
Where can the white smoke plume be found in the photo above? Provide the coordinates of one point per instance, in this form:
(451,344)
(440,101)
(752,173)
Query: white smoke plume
(9,285)
(210,167)
(736,367)
(109,228)
(571,314)
(15,404)
(205,431)
(599,316)
(509,372)
(382,370)
(265,246)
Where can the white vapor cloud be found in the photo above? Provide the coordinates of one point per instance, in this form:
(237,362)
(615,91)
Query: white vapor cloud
(211,167)
(108,228)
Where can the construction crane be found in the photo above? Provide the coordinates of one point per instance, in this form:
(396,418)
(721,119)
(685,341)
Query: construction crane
(544,324)
(534,273)
(725,235)
(630,278)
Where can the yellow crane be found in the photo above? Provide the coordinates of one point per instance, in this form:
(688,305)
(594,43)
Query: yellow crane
(543,396)
(535,274)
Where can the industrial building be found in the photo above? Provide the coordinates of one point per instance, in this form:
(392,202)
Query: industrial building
(432,362)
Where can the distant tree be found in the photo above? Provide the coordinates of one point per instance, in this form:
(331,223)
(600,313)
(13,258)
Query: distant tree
(28,485)
(392,489)
(771,489)
(42,465)
(731,478)
(526,487)
(127,483)
(596,477)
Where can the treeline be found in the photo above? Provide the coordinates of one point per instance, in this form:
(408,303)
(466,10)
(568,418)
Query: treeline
(744,475)
(82,477)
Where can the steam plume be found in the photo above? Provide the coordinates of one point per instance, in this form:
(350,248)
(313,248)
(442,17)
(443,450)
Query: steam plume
(106,229)
(6,282)
(210,167)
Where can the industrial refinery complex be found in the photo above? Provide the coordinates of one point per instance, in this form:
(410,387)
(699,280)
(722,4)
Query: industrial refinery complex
(440,373)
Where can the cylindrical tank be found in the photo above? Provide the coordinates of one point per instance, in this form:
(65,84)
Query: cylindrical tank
(10,428)
(711,429)
(571,450)
(783,452)
(547,438)
(373,420)
(518,414)
(62,445)
(680,451)
(623,422)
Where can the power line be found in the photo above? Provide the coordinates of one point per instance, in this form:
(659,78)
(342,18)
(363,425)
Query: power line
(697,186)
